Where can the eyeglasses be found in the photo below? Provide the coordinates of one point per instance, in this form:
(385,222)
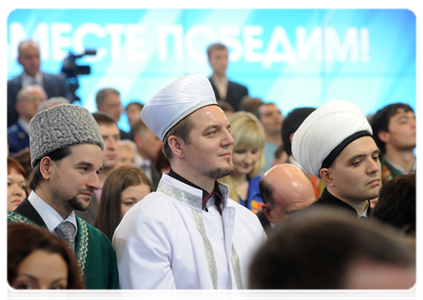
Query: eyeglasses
(33,99)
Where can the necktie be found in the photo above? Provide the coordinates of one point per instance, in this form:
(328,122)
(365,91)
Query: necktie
(66,231)
(144,167)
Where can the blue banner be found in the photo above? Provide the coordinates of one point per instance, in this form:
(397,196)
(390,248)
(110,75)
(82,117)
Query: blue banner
(288,56)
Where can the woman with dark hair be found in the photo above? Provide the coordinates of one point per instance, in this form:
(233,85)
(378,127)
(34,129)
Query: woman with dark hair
(123,188)
(16,184)
(37,259)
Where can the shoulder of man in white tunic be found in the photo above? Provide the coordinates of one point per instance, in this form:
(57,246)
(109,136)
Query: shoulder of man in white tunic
(156,231)
(160,208)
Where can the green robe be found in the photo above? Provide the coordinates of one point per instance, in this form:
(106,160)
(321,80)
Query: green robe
(95,254)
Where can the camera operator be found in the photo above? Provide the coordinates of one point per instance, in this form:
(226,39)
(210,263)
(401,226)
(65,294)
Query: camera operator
(71,71)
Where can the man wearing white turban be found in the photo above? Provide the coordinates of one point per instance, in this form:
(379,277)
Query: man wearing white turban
(335,143)
(188,234)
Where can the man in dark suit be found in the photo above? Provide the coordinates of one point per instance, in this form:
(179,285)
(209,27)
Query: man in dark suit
(29,59)
(224,89)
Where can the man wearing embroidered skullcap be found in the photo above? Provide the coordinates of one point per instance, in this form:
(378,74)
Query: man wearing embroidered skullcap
(188,234)
(335,143)
(66,157)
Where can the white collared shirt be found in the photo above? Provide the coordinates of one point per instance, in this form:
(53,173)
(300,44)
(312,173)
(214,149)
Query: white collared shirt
(28,79)
(365,213)
(49,215)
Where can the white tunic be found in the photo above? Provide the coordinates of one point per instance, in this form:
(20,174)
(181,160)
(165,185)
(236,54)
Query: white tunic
(166,241)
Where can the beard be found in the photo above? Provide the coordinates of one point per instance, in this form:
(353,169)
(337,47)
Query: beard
(76,204)
(219,172)
(73,203)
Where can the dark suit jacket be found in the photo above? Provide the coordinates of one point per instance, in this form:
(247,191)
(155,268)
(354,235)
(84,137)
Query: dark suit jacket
(123,135)
(264,221)
(89,214)
(327,199)
(26,209)
(234,94)
(18,139)
(54,86)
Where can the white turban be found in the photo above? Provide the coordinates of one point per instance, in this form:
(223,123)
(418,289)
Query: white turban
(326,132)
(176,101)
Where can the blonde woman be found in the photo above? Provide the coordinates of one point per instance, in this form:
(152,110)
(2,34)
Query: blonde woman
(248,160)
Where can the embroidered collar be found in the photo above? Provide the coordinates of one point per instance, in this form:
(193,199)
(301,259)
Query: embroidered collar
(208,198)
(192,195)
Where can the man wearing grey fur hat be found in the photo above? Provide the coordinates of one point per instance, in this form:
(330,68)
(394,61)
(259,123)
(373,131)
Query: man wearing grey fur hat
(188,234)
(335,143)
(66,155)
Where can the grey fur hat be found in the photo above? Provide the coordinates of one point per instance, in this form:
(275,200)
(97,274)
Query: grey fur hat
(59,127)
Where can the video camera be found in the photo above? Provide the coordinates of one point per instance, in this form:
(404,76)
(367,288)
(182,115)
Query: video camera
(71,70)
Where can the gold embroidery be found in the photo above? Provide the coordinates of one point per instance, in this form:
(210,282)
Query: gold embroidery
(196,206)
(237,269)
(180,195)
(82,245)
(198,217)
(18,218)
(82,231)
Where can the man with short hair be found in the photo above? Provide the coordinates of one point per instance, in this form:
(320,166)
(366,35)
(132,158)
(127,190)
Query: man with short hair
(108,101)
(188,234)
(66,149)
(28,99)
(110,134)
(329,249)
(29,59)
(335,143)
(223,88)
(271,118)
(394,130)
(285,190)
(148,147)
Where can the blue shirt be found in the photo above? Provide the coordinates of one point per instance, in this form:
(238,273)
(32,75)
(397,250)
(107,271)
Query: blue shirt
(254,200)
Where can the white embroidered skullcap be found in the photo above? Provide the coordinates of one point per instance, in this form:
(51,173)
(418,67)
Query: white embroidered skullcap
(176,101)
(326,132)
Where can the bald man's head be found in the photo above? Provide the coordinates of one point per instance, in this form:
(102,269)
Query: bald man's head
(285,190)
(29,57)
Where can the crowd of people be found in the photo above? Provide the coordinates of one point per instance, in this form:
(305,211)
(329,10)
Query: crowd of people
(210,189)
